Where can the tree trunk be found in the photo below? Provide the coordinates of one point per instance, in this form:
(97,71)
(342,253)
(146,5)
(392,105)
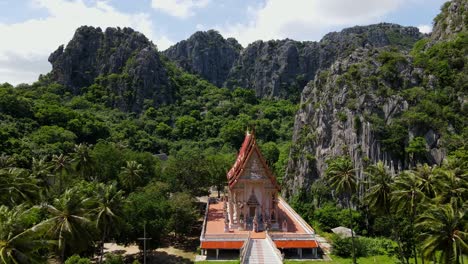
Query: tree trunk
(352,233)
(102,245)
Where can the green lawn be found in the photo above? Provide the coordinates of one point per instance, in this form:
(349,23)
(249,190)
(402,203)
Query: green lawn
(218,262)
(338,260)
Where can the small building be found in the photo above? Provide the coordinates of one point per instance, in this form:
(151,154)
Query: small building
(254,210)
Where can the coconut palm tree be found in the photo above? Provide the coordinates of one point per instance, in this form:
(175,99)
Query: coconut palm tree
(19,244)
(341,175)
(427,179)
(108,206)
(406,197)
(42,170)
(62,167)
(17,186)
(443,231)
(453,187)
(68,222)
(83,161)
(380,189)
(130,176)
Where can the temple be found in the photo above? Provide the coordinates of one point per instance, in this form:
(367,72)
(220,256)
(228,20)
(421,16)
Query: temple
(252,214)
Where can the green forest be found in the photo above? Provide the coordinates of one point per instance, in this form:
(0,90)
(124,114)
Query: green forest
(75,172)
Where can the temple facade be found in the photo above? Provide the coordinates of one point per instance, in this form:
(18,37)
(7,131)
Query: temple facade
(252,191)
(252,214)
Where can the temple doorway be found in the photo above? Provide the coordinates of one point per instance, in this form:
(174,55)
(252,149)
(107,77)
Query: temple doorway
(252,210)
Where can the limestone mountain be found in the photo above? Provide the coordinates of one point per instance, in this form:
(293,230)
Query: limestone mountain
(279,68)
(207,54)
(452,20)
(385,103)
(122,63)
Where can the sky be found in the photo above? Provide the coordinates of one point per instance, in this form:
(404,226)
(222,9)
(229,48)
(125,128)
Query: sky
(32,29)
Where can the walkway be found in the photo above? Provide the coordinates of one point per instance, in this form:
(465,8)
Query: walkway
(261,252)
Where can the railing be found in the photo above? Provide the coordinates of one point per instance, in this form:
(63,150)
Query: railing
(301,221)
(205,219)
(244,249)
(229,236)
(283,236)
(273,245)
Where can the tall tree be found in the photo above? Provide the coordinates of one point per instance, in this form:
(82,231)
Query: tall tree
(68,223)
(107,210)
(84,163)
(42,170)
(130,176)
(406,196)
(443,231)
(379,196)
(62,167)
(17,186)
(19,244)
(341,175)
(217,167)
(427,179)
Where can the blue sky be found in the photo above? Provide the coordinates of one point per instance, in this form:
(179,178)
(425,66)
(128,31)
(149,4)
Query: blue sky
(32,29)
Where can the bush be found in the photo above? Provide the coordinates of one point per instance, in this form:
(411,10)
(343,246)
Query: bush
(113,259)
(365,246)
(76,259)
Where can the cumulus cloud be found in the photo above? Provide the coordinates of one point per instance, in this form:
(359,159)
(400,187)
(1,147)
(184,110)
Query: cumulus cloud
(179,8)
(23,54)
(426,29)
(306,19)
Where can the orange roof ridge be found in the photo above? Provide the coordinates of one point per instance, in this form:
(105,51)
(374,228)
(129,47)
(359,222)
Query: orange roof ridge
(247,148)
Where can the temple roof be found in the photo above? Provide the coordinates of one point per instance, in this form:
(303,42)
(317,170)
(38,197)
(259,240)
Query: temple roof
(248,147)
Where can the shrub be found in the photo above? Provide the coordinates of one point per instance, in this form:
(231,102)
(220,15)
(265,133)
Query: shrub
(76,259)
(365,246)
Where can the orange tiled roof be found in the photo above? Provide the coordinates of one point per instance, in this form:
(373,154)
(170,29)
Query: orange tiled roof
(221,244)
(296,243)
(248,147)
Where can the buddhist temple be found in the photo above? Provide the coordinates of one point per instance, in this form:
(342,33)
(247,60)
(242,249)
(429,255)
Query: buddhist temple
(253,217)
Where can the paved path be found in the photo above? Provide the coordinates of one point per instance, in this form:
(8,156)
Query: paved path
(261,252)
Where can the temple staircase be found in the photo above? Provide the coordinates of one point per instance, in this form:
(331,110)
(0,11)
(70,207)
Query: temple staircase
(262,251)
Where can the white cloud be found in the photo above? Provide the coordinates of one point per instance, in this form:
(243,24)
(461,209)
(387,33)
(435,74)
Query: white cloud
(306,19)
(26,45)
(179,8)
(426,29)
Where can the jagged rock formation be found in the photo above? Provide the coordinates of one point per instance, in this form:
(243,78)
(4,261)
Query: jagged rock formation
(335,113)
(358,107)
(279,68)
(452,20)
(207,54)
(126,62)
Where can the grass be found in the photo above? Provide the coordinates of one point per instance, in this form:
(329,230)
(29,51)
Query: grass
(338,260)
(218,262)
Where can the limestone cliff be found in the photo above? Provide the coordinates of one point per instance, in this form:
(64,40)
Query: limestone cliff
(279,68)
(207,54)
(122,61)
(384,104)
(452,20)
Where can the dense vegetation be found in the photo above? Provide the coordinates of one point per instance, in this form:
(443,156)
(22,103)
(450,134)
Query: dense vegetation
(75,172)
(419,214)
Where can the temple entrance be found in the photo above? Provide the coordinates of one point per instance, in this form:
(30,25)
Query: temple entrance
(252,211)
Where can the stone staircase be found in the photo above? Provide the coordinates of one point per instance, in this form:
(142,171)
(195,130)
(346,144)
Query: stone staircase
(260,251)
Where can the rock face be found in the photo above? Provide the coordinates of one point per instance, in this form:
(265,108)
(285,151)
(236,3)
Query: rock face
(207,54)
(452,20)
(281,68)
(127,57)
(343,111)
(361,105)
